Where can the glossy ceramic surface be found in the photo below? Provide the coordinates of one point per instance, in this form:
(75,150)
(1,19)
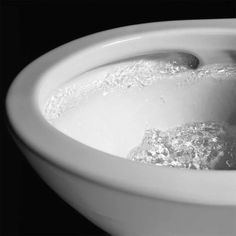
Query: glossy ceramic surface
(122,197)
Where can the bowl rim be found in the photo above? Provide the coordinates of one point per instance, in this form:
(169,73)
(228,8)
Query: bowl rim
(34,132)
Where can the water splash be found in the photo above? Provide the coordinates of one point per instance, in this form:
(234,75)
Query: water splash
(138,73)
(196,145)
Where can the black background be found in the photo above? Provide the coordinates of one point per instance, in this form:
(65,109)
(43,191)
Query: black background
(30,29)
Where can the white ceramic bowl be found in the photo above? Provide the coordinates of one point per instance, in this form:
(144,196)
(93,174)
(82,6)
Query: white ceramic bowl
(120,196)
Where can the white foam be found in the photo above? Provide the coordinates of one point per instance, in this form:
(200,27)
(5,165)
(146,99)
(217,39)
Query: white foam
(140,73)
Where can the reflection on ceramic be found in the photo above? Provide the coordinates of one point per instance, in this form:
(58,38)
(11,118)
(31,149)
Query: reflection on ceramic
(120,196)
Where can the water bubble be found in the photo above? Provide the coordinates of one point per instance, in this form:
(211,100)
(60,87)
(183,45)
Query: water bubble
(196,145)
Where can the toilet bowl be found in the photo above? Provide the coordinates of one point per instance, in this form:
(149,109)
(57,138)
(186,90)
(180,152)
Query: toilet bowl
(120,196)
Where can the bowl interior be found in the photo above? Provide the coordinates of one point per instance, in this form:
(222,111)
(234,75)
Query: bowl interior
(116,122)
